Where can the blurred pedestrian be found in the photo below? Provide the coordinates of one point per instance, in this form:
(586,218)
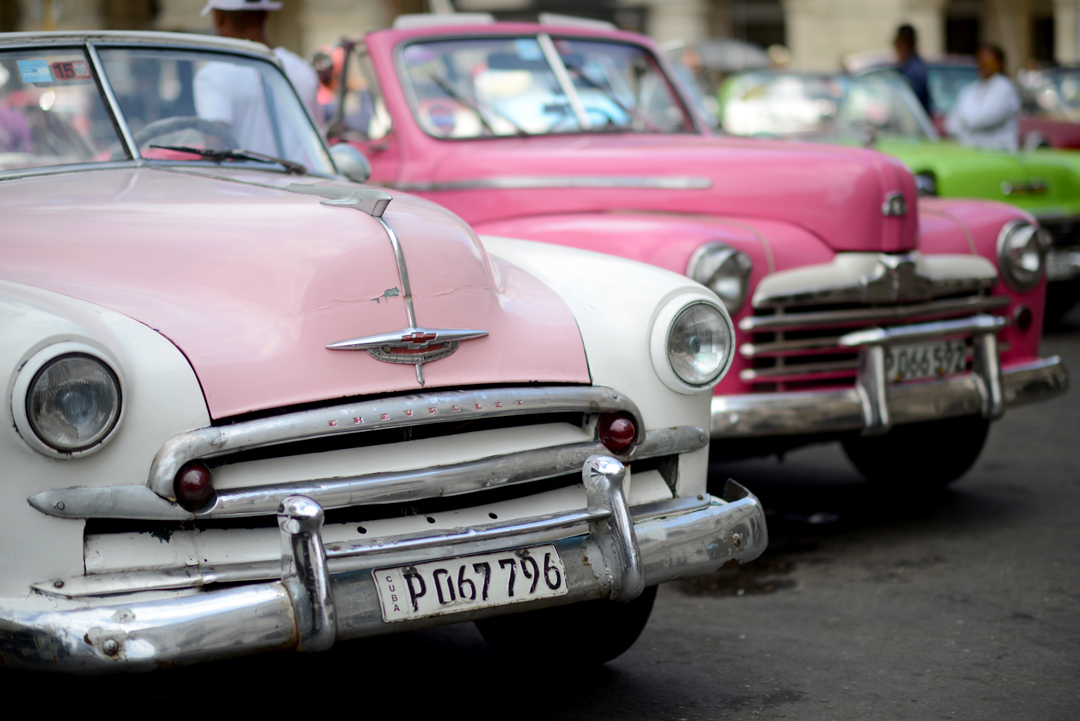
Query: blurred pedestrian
(987,112)
(911,65)
(246,20)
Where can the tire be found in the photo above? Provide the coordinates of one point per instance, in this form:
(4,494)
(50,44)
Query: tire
(590,633)
(919,456)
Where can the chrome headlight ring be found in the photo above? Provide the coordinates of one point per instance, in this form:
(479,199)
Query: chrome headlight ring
(68,400)
(723,270)
(1021,254)
(692,343)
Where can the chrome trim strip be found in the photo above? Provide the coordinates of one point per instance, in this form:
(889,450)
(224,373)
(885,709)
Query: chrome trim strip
(834,411)
(923,331)
(392,412)
(538,182)
(139,502)
(563,79)
(826,319)
(17,173)
(129,634)
(786,347)
(114,104)
(403,270)
(749,375)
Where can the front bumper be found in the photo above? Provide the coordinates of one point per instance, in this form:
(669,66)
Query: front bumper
(310,608)
(873,405)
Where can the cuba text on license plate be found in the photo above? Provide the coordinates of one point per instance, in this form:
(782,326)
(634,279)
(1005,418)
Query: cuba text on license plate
(925,360)
(470,582)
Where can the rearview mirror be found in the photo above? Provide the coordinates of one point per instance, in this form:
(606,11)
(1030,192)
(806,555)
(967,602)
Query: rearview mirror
(351,162)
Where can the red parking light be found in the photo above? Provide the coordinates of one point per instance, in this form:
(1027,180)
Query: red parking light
(194,485)
(617,431)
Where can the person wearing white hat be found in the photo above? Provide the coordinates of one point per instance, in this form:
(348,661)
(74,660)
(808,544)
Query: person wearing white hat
(233,95)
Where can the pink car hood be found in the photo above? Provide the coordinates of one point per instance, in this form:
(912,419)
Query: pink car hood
(834,192)
(252,283)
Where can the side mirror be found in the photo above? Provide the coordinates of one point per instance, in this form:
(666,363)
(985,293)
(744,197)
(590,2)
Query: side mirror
(351,162)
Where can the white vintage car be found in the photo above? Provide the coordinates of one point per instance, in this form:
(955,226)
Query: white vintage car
(252,405)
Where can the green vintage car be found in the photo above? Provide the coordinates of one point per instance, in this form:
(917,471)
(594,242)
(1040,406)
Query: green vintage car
(881,111)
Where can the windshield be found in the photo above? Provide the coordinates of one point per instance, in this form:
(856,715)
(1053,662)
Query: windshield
(209,101)
(840,107)
(1053,94)
(178,105)
(945,83)
(51,112)
(506,86)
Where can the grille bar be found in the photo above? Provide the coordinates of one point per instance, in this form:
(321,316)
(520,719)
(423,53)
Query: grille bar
(839,318)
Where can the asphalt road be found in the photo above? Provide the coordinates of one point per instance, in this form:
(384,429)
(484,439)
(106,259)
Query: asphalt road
(960,606)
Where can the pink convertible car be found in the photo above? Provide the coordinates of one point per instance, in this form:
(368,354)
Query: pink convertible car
(901,326)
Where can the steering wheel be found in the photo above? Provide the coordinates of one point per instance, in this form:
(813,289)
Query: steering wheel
(600,111)
(175,124)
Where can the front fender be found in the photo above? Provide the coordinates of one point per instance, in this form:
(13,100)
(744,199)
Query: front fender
(162,398)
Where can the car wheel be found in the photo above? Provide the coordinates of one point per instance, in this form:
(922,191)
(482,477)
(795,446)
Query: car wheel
(591,632)
(919,456)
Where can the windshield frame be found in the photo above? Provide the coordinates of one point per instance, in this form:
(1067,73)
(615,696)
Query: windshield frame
(560,73)
(147,41)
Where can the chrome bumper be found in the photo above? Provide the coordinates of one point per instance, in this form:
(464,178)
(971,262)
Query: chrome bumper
(873,406)
(311,607)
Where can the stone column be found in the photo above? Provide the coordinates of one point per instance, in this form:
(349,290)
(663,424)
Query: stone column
(1066,31)
(1008,23)
(928,19)
(678,20)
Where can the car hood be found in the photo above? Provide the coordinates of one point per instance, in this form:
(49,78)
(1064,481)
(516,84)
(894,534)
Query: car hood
(252,282)
(1045,182)
(835,193)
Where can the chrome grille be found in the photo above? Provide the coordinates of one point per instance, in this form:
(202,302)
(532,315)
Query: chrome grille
(1065,232)
(797,347)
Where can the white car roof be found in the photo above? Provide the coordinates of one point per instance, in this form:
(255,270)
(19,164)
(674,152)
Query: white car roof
(191,40)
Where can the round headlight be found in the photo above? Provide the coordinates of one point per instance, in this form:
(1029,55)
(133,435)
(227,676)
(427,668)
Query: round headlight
(73,402)
(723,270)
(698,344)
(1022,254)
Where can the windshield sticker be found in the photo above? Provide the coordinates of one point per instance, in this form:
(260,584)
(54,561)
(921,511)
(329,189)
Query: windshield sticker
(34,71)
(528,49)
(71,70)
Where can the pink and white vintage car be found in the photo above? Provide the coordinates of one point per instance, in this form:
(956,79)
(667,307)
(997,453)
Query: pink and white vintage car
(901,326)
(250,405)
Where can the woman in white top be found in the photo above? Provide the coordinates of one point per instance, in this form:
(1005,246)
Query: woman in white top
(987,113)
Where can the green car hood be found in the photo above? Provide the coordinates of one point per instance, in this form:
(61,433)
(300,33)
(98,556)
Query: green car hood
(1045,183)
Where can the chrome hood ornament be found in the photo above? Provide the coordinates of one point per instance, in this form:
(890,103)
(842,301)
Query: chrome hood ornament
(414,346)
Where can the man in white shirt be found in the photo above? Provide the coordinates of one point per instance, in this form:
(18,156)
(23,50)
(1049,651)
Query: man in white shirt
(987,113)
(238,96)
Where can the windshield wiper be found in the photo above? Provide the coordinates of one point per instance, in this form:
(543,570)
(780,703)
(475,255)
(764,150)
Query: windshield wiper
(631,112)
(453,93)
(238,154)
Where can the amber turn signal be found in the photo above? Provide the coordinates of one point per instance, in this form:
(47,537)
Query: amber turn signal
(617,431)
(194,485)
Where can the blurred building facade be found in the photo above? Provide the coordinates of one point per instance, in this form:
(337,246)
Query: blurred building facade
(819,33)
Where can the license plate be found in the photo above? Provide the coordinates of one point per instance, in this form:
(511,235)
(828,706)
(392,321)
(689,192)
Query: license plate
(470,582)
(925,360)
